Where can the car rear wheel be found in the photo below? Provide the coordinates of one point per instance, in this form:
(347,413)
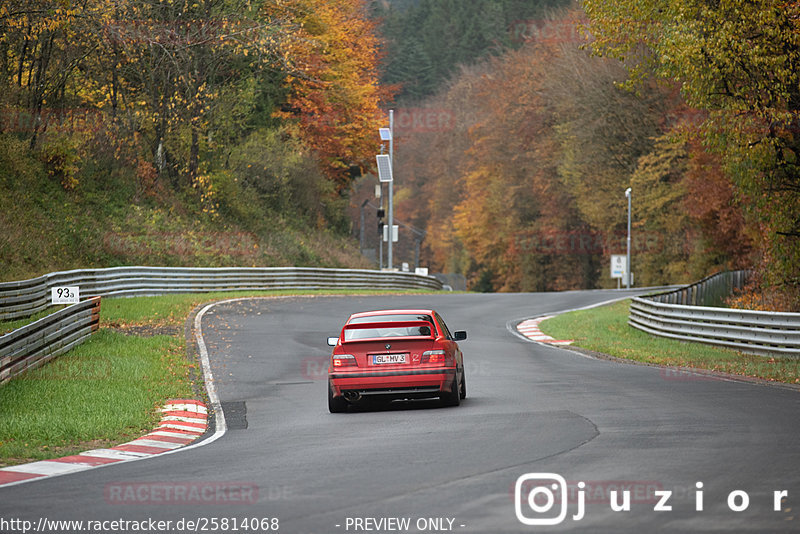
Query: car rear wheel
(453,397)
(463,385)
(335,404)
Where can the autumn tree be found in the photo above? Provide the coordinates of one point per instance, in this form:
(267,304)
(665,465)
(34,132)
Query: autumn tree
(175,64)
(45,44)
(524,188)
(429,165)
(183,91)
(334,96)
(740,63)
(603,130)
(712,204)
(662,228)
(497,211)
(515,218)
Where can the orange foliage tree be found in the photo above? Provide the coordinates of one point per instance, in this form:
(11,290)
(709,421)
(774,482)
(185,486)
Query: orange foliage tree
(738,62)
(334,91)
(488,185)
(515,218)
(524,189)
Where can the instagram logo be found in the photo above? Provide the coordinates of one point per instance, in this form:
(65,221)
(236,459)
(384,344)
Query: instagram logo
(542,492)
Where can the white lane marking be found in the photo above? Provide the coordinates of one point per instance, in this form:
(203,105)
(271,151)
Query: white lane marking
(180,419)
(142,442)
(172,434)
(196,408)
(178,426)
(45,467)
(115,454)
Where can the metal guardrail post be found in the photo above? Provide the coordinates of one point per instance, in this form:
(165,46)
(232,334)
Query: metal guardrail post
(26,297)
(756,332)
(39,342)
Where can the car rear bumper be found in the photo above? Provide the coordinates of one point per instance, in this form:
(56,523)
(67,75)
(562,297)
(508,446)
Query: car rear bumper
(397,383)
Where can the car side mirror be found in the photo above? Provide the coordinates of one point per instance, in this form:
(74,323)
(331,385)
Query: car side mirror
(332,341)
(459,335)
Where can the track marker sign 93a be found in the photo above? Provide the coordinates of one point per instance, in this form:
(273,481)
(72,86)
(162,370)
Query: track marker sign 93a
(65,295)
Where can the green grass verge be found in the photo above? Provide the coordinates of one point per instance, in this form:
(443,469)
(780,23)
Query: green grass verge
(108,390)
(105,391)
(605,329)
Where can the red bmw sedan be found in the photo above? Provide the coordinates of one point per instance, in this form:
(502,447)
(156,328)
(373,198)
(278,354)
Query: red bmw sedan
(396,354)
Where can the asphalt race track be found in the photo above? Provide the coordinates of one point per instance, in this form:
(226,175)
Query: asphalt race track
(530,409)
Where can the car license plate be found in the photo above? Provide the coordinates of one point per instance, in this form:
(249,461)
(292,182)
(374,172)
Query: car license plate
(383,359)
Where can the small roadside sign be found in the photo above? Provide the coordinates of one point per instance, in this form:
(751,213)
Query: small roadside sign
(65,295)
(618,262)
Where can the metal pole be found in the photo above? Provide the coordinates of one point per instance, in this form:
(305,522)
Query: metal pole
(628,254)
(362,243)
(391,163)
(380,234)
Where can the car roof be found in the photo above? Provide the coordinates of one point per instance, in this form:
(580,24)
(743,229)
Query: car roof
(393,312)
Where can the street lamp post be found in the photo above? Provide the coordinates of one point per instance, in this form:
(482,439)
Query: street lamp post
(628,253)
(379,194)
(385,172)
(390,218)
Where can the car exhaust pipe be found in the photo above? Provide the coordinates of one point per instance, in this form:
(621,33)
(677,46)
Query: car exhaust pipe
(352,396)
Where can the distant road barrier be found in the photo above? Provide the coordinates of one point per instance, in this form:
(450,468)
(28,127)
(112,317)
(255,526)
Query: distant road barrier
(710,291)
(26,297)
(675,314)
(41,341)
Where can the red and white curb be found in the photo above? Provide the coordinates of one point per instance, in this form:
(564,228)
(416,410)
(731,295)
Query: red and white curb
(530,329)
(182,422)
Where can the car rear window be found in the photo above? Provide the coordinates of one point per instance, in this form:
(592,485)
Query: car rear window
(387,332)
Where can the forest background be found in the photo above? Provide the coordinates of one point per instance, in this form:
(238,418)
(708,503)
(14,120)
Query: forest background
(235,132)
(516,161)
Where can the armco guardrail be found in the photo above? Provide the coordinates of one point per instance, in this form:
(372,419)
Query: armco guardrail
(757,332)
(710,291)
(41,341)
(24,298)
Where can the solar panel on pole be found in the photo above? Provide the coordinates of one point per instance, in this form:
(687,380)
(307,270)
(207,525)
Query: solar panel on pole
(384,168)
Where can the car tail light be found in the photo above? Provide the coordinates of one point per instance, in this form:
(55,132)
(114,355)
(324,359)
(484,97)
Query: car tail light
(343,360)
(433,356)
